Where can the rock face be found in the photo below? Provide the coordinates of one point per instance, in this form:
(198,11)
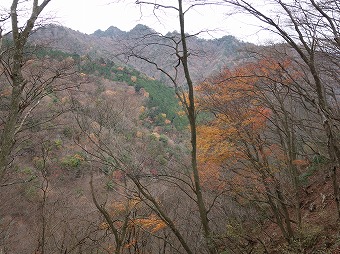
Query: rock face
(207,56)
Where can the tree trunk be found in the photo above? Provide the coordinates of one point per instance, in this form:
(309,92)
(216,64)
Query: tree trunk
(192,120)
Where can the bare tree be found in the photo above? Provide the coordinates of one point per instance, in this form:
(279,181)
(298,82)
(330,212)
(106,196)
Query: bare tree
(27,79)
(117,156)
(178,49)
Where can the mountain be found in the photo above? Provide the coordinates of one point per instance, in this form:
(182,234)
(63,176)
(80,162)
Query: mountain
(112,32)
(207,56)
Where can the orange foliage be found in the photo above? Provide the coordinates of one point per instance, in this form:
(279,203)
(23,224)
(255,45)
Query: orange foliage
(301,162)
(122,207)
(103,226)
(152,223)
(212,144)
(210,176)
(130,244)
(235,97)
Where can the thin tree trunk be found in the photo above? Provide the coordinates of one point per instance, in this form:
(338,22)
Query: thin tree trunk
(192,120)
(163,215)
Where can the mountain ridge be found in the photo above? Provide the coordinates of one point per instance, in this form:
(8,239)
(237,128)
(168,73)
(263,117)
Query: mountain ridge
(115,45)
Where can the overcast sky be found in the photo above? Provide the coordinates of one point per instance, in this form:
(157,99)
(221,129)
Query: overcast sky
(89,15)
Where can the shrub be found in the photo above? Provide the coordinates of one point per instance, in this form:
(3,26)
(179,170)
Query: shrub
(79,192)
(110,185)
(38,163)
(163,138)
(161,160)
(68,132)
(58,143)
(73,161)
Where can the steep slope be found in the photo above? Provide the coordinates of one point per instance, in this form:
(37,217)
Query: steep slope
(46,200)
(121,99)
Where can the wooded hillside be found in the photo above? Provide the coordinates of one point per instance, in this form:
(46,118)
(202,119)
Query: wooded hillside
(138,142)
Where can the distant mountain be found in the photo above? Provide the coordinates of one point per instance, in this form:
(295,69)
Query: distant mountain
(207,56)
(111,32)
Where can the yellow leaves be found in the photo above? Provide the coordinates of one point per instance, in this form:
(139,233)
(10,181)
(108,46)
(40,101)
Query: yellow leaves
(158,226)
(103,226)
(256,118)
(181,113)
(78,157)
(214,145)
(142,109)
(133,79)
(139,134)
(118,212)
(156,135)
(146,94)
(152,223)
(184,100)
(110,93)
(119,208)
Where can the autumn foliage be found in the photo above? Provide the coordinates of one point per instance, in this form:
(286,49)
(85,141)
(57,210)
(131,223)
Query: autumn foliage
(248,159)
(234,98)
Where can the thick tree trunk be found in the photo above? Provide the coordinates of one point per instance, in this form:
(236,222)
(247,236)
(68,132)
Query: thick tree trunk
(20,36)
(7,139)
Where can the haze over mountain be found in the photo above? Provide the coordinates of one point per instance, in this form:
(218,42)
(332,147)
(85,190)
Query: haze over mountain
(122,47)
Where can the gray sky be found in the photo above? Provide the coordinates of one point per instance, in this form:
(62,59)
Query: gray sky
(89,15)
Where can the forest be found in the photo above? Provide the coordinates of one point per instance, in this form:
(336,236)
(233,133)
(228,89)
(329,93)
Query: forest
(140,142)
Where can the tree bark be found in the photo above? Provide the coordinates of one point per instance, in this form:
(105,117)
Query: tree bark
(20,37)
